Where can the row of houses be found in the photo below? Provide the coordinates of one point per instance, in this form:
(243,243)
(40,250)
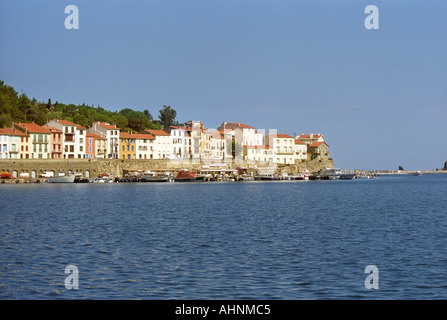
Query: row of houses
(62,139)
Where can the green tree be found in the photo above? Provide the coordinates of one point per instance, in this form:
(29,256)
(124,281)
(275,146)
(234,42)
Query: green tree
(148,115)
(5,120)
(167,116)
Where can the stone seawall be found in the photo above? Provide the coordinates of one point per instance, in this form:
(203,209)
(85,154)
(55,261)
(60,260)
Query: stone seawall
(90,168)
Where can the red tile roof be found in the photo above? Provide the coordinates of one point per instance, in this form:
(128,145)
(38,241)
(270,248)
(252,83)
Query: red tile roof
(143,136)
(157,132)
(126,135)
(307,136)
(299,142)
(241,125)
(13,132)
(280,135)
(95,136)
(33,127)
(317,144)
(106,125)
(53,129)
(65,122)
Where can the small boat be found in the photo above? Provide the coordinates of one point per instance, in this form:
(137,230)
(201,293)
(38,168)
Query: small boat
(329,174)
(346,176)
(69,178)
(186,175)
(417,173)
(363,176)
(245,177)
(301,177)
(149,176)
(266,177)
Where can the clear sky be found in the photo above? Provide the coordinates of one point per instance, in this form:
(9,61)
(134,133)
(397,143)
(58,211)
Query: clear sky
(298,66)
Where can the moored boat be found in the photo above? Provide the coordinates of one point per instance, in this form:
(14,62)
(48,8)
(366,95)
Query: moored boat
(186,175)
(149,176)
(69,178)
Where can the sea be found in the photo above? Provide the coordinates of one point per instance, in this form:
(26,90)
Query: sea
(369,239)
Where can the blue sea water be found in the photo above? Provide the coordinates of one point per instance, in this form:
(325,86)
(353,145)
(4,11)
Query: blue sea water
(240,240)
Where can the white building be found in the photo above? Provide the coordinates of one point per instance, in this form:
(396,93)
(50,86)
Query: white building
(180,142)
(244,134)
(300,151)
(70,137)
(161,145)
(259,153)
(39,139)
(111,133)
(144,144)
(283,147)
(310,138)
(81,141)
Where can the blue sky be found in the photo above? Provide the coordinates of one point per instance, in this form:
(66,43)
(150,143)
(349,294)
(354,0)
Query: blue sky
(378,96)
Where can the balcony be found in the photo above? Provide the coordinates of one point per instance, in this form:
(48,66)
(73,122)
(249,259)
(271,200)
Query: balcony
(285,152)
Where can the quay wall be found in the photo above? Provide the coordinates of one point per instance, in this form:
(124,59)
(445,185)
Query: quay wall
(118,167)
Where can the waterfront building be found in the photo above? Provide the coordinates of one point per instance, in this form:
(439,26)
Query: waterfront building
(100,146)
(283,146)
(14,144)
(318,150)
(56,142)
(310,138)
(162,143)
(205,144)
(195,129)
(73,138)
(24,144)
(95,146)
(244,134)
(260,153)
(4,144)
(180,142)
(127,146)
(144,146)
(300,151)
(80,139)
(39,139)
(111,134)
(90,148)
(217,145)
(10,143)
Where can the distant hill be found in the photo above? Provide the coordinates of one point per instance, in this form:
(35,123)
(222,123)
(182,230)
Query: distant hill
(15,107)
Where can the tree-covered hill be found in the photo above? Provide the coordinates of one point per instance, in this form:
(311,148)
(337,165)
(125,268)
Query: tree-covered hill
(15,107)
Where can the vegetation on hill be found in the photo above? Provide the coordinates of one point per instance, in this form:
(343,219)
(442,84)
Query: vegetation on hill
(15,107)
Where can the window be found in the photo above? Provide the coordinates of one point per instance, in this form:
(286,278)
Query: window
(90,140)
(90,149)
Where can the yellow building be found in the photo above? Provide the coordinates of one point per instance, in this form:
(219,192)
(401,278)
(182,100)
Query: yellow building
(127,146)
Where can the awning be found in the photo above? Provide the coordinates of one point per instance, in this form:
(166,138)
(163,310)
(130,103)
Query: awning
(6,175)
